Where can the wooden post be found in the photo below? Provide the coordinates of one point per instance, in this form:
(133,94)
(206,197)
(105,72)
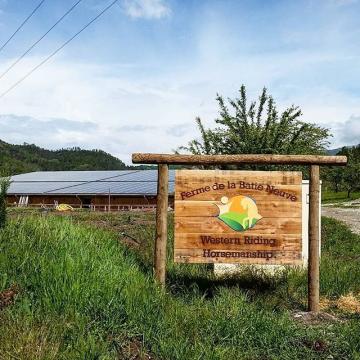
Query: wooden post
(109,201)
(313,265)
(161,223)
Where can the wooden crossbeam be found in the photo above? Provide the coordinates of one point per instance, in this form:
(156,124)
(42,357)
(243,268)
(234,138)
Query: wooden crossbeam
(148,158)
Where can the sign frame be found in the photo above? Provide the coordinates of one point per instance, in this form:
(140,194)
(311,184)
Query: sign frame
(313,161)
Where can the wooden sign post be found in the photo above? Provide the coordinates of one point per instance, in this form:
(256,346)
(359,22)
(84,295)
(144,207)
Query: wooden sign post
(161,222)
(285,238)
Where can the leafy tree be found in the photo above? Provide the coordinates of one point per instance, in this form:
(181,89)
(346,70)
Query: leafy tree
(17,159)
(258,128)
(335,176)
(4,185)
(351,173)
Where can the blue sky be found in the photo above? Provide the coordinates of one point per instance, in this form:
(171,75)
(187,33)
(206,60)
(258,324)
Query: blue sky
(137,78)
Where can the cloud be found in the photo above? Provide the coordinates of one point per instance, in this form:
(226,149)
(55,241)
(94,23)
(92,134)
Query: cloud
(181,129)
(166,76)
(135,128)
(343,2)
(2,5)
(99,103)
(349,131)
(53,133)
(148,9)
(88,94)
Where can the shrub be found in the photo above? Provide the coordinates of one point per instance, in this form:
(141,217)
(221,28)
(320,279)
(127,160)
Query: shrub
(4,185)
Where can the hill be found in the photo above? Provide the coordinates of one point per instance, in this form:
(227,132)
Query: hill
(335,151)
(16,159)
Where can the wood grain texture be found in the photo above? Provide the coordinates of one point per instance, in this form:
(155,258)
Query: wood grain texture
(181,193)
(197,256)
(236,241)
(314,221)
(208,208)
(161,224)
(205,225)
(273,177)
(148,158)
(199,198)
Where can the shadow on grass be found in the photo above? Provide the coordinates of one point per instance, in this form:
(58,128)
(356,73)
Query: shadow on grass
(257,284)
(277,291)
(207,287)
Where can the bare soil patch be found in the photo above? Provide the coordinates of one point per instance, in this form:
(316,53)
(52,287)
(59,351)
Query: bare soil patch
(7,297)
(350,217)
(310,318)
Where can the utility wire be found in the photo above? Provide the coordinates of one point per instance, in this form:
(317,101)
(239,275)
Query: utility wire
(21,25)
(104,180)
(58,49)
(37,41)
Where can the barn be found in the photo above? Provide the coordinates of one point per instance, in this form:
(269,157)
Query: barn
(96,190)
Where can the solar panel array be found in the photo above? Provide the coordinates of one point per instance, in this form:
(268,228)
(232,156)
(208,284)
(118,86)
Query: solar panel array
(120,182)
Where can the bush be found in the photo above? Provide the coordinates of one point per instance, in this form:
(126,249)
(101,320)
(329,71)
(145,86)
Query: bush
(4,185)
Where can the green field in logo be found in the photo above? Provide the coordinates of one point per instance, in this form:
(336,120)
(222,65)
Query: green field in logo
(240,212)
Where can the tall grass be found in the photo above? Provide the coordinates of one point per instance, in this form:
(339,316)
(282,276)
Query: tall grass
(4,186)
(85,296)
(340,263)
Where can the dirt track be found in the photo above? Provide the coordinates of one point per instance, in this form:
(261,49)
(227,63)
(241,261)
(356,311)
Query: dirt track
(349,216)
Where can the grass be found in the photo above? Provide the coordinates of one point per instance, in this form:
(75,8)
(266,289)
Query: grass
(85,295)
(341,196)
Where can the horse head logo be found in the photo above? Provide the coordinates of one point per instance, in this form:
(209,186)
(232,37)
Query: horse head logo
(240,212)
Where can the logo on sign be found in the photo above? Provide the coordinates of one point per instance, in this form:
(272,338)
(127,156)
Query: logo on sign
(240,212)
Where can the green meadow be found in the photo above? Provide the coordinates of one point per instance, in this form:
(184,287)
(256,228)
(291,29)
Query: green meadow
(80,287)
(338,197)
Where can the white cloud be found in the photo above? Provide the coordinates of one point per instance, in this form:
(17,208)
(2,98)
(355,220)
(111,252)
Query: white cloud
(349,131)
(148,9)
(343,2)
(135,128)
(130,115)
(155,112)
(2,5)
(181,129)
(50,133)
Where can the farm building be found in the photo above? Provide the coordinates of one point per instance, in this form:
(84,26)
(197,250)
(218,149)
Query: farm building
(97,190)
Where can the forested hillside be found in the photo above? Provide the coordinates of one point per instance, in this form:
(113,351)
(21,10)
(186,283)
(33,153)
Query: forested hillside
(16,159)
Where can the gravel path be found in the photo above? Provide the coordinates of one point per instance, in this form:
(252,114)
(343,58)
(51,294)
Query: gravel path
(349,216)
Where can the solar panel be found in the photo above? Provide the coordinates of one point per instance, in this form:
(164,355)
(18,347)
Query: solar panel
(69,175)
(120,182)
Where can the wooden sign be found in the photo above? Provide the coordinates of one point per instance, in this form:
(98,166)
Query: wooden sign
(248,217)
(282,222)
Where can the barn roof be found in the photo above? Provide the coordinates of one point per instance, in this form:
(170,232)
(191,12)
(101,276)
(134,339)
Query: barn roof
(118,182)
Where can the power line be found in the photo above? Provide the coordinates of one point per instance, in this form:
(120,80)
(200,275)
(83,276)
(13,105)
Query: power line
(104,180)
(21,25)
(58,49)
(37,41)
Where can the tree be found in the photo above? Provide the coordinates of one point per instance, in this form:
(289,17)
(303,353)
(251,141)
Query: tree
(258,128)
(335,176)
(4,185)
(351,173)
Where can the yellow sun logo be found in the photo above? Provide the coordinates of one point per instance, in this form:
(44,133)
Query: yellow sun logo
(240,212)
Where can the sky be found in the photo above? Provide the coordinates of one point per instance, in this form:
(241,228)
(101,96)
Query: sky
(136,79)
